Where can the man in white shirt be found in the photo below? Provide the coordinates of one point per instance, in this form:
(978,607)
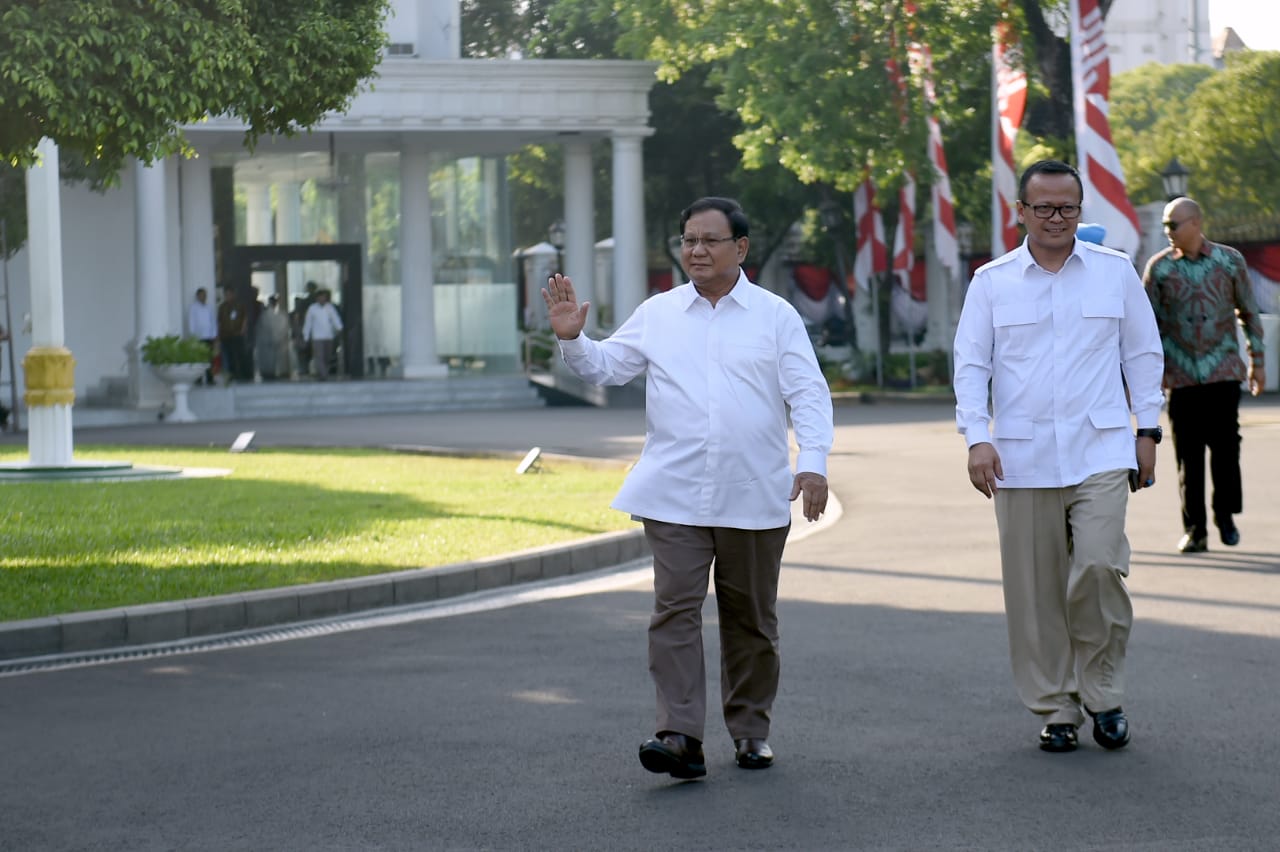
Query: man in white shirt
(723,359)
(320,328)
(202,322)
(1064,333)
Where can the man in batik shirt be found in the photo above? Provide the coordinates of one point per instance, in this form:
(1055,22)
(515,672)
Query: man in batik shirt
(1200,290)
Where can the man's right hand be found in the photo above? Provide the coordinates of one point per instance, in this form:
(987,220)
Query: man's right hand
(985,468)
(567,317)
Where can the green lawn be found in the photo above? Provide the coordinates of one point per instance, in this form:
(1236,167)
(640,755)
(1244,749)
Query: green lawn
(281,517)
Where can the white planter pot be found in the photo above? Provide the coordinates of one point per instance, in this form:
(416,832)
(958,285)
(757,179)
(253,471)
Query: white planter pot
(179,378)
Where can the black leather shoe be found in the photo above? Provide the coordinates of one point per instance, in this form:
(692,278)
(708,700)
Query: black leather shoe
(674,754)
(1190,544)
(1230,535)
(1110,728)
(753,753)
(1058,737)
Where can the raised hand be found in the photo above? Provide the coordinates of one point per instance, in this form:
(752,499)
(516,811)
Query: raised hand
(566,315)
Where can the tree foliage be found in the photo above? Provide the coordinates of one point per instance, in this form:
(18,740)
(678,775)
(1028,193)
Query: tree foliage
(112,79)
(1233,122)
(1148,108)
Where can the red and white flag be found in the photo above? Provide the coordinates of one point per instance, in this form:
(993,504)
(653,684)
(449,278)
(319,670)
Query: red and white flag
(869,259)
(904,256)
(1105,199)
(1010,105)
(941,200)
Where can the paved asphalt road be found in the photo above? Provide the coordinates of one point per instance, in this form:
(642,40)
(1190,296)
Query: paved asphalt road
(516,727)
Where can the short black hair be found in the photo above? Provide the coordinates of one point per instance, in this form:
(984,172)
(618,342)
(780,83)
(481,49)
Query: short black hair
(739,226)
(1048,167)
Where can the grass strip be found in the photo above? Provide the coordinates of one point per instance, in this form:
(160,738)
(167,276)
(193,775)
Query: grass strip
(282,517)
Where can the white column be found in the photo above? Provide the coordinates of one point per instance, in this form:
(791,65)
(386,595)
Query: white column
(197,231)
(151,294)
(288,213)
(418,358)
(49,439)
(259,230)
(630,272)
(580,224)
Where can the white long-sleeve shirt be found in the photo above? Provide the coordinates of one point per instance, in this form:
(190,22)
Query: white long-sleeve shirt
(1057,349)
(202,320)
(718,383)
(321,322)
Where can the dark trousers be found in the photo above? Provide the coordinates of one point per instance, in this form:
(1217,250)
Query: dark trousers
(1207,417)
(747,563)
(235,358)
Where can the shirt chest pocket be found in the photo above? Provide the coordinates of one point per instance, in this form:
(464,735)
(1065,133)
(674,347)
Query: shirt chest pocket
(1015,328)
(1100,323)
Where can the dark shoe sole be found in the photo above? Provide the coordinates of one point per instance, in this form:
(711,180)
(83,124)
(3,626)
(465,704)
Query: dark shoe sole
(753,761)
(663,762)
(1059,748)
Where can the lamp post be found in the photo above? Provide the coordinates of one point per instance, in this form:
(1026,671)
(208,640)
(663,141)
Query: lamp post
(1174,178)
(555,236)
(832,219)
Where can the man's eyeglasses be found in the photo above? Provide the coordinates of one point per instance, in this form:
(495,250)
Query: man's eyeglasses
(710,242)
(1172,226)
(1046,211)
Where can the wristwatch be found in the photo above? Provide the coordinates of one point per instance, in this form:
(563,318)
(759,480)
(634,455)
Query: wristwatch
(1155,434)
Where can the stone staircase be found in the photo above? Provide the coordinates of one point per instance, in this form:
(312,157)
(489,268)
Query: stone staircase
(108,405)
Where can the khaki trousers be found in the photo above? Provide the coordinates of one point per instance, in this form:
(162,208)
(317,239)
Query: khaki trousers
(1064,557)
(747,563)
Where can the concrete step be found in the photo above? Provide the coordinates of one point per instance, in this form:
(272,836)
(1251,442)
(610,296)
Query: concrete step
(108,406)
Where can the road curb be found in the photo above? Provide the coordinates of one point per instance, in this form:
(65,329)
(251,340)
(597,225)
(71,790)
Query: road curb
(148,624)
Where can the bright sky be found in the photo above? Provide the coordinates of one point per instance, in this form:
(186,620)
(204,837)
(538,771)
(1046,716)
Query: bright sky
(1255,21)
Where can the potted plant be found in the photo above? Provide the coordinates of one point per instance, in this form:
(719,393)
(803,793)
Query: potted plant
(179,361)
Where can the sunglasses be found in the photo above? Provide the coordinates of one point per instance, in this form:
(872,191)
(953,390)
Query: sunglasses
(1172,226)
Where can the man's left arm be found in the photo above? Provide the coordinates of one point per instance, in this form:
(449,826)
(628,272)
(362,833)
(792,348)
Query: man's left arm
(805,390)
(1247,310)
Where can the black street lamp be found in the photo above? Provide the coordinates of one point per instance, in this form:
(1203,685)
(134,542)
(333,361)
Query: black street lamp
(555,236)
(1174,178)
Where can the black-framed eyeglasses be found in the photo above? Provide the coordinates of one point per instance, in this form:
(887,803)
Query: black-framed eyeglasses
(710,242)
(1172,226)
(1046,211)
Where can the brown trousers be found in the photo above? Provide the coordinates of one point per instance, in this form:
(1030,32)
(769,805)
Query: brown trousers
(747,563)
(1064,557)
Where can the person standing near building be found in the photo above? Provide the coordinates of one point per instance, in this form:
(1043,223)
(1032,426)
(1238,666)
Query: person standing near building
(1200,291)
(320,329)
(1056,329)
(202,322)
(723,360)
(232,327)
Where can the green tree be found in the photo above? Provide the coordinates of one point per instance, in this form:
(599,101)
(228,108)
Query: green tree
(1233,119)
(108,80)
(1149,108)
(113,79)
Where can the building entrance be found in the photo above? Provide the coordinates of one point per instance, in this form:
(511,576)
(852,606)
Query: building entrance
(285,271)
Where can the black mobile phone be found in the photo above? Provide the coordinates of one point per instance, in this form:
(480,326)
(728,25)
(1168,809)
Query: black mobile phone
(1133,480)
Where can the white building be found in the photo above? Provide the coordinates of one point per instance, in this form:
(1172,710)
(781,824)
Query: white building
(399,206)
(1164,31)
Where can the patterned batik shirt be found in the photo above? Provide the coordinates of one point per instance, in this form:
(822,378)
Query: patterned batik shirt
(1198,302)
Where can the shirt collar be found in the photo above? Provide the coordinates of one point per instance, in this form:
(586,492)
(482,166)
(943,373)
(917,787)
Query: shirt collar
(1026,261)
(741,292)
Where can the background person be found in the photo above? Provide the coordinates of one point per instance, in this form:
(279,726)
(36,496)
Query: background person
(1200,290)
(233,324)
(202,322)
(320,329)
(723,359)
(1057,327)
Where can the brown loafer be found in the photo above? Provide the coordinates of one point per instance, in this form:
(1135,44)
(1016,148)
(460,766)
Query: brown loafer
(674,754)
(753,753)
